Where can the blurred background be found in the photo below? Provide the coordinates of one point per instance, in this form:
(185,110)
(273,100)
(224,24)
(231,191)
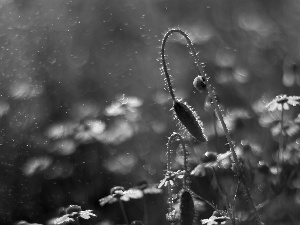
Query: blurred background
(83,105)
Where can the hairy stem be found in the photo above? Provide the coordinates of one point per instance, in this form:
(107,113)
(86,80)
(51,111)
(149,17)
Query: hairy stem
(216,106)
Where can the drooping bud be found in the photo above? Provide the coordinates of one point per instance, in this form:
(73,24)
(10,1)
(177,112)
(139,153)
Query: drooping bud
(189,119)
(187,211)
(200,83)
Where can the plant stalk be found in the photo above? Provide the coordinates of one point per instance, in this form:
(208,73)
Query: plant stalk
(216,106)
(123,212)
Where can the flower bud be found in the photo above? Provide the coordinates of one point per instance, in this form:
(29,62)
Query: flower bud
(189,119)
(200,83)
(187,210)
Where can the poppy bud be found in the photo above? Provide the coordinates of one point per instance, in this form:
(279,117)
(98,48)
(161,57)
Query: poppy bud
(200,84)
(189,120)
(187,208)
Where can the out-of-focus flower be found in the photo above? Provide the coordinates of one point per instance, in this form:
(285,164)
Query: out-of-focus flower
(73,212)
(61,130)
(89,130)
(216,218)
(25,90)
(170,176)
(119,192)
(282,102)
(36,165)
(289,128)
(119,132)
(123,105)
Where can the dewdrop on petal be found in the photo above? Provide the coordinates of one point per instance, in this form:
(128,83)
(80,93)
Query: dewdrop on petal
(200,84)
(189,119)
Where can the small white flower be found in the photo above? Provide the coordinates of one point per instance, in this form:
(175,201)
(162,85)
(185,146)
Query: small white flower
(282,102)
(70,217)
(122,194)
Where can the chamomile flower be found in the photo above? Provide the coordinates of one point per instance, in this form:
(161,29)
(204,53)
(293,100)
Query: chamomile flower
(281,102)
(73,212)
(119,192)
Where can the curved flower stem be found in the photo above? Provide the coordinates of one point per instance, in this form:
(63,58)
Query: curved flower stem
(165,68)
(216,106)
(123,211)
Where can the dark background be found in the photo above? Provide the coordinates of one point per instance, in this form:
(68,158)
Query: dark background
(64,63)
